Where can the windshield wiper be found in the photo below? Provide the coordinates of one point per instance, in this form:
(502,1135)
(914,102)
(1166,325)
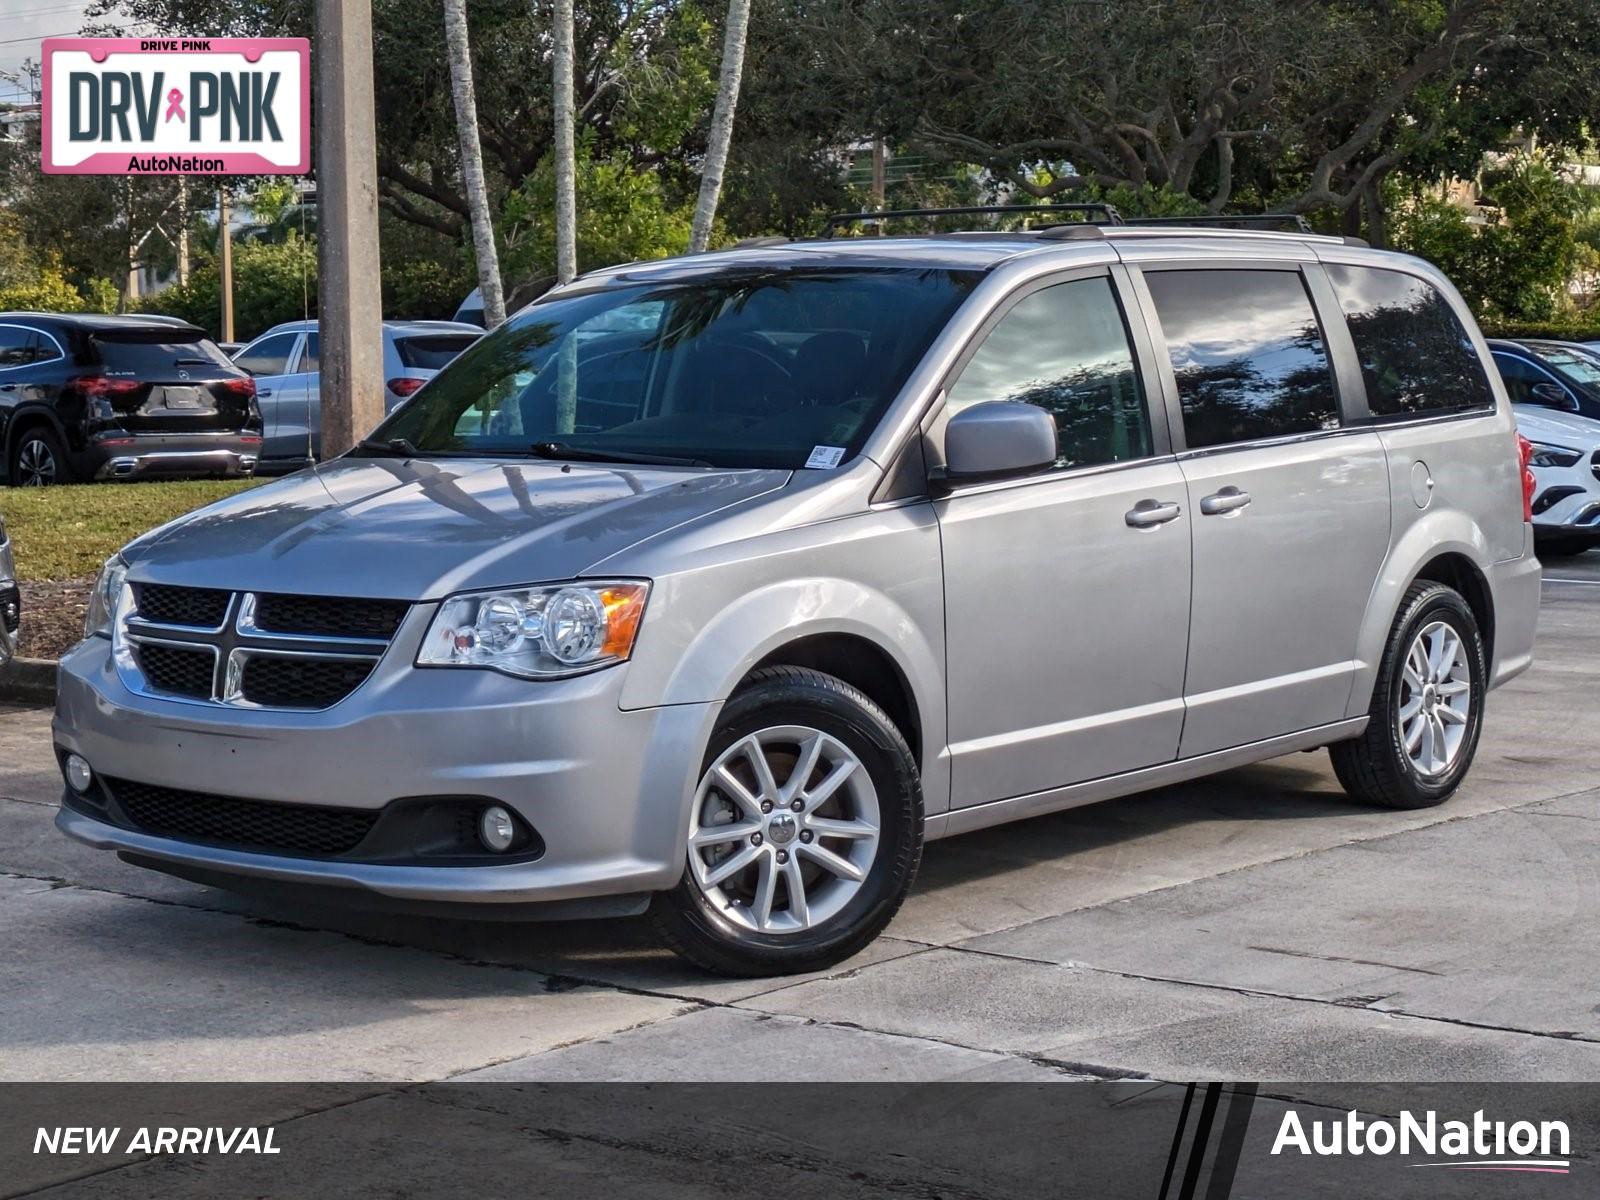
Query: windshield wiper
(397,447)
(560,450)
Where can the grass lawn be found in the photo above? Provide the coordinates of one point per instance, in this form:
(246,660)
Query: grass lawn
(67,532)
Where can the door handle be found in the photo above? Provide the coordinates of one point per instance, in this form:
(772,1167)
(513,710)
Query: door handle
(263,393)
(1228,500)
(1147,514)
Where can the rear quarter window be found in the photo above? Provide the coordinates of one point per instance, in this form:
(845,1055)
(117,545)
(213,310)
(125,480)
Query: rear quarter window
(1416,356)
(432,351)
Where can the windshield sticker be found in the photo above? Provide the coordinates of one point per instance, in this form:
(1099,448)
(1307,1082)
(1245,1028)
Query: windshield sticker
(825,458)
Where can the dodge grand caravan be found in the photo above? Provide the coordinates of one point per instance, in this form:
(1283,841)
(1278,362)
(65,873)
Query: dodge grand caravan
(713,587)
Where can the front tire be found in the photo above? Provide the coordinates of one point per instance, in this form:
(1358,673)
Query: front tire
(1427,706)
(805,833)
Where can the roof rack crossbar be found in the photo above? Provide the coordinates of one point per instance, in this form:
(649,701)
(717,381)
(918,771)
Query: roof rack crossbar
(1108,215)
(1227,220)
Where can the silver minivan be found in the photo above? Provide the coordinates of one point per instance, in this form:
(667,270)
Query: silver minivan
(713,587)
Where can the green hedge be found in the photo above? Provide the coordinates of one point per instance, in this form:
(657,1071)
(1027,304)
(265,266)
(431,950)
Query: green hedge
(1559,331)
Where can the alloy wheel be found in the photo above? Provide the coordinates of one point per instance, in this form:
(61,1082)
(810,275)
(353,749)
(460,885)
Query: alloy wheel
(785,829)
(1435,699)
(36,465)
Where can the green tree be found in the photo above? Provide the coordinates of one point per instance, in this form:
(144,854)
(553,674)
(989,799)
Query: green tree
(272,282)
(1515,267)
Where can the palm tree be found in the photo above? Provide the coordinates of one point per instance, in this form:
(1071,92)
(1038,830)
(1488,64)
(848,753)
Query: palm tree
(566,164)
(733,41)
(460,54)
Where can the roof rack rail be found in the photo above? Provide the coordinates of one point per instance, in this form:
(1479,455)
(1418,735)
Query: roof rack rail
(1295,222)
(1107,214)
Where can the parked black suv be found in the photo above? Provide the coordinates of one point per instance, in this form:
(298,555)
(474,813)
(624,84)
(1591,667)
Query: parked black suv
(97,397)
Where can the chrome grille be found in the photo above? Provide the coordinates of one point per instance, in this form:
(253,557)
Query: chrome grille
(259,651)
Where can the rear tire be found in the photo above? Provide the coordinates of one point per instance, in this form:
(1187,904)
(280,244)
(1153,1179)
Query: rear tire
(1427,706)
(799,864)
(39,459)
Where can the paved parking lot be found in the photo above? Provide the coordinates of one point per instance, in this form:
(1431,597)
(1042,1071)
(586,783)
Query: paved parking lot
(1255,925)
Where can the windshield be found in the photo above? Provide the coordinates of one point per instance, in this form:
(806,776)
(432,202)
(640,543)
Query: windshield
(754,368)
(1577,368)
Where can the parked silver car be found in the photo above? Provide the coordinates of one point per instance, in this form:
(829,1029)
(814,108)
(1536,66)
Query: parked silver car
(283,361)
(714,586)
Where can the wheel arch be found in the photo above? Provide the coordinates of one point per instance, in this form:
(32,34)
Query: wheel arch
(1446,547)
(25,418)
(843,627)
(865,666)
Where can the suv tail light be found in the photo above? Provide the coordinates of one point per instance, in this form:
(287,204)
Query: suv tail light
(1529,484)
(100,385)
(404,386)
(239,387)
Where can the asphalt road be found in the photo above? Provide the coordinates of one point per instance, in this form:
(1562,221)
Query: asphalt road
(1255,925)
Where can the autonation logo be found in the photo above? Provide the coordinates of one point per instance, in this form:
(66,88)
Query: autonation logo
(1476,1145)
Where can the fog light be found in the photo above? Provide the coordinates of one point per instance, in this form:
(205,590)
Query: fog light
(495,828)
(79,776)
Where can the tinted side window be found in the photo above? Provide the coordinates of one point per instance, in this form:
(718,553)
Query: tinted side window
(270,356)
(1065,348)
(308,354)
(1519,377)
(16,346)
(1248,354)
(1415,355)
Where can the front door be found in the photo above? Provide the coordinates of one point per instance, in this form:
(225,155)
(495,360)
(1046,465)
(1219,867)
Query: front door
(1067,593)
(1291,510)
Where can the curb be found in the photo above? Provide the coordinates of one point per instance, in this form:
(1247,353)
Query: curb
(29,681)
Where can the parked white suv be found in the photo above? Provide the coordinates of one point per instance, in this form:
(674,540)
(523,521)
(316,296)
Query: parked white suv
(713,586)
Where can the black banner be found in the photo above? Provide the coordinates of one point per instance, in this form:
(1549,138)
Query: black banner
(1151,1140)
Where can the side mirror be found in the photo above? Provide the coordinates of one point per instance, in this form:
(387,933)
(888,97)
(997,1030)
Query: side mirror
(998,440)
(1553,395)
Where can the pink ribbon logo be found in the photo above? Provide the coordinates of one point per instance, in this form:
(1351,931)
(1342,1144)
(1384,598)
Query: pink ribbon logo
(175,105)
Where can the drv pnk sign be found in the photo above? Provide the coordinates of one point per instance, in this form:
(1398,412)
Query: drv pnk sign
(175,106)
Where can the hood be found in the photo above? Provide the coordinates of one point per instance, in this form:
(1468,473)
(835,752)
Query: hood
(420,529)
(1562,428)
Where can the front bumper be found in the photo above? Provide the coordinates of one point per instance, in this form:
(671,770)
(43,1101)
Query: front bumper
(607,791)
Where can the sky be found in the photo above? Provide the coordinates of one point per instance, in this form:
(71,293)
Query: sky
(24,24)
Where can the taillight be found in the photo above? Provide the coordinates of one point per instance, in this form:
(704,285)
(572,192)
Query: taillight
(99,385)
(239,387)
(404,386)
(1529,484)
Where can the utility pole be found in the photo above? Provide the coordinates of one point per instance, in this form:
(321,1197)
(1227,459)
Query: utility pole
(350,321)
(225,255)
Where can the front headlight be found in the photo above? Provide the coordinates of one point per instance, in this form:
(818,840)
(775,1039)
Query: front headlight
(1545,455)
(537,632)
(103,600)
